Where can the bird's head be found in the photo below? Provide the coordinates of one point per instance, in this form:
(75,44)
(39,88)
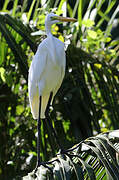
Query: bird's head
(52,18)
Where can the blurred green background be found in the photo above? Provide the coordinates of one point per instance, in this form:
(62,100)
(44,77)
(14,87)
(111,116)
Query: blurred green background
(88,100)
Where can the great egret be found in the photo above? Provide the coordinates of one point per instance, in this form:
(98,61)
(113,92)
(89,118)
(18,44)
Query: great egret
(46,73)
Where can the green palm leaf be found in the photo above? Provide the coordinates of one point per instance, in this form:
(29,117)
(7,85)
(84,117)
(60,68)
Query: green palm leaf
(90,159)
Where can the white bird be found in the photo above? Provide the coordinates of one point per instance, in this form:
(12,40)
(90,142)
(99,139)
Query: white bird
(47,69)
(46,73)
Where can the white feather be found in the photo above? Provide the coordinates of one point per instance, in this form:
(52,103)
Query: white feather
(46,73)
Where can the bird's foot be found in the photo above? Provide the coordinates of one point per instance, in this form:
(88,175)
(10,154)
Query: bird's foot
(45,164)
(62,152)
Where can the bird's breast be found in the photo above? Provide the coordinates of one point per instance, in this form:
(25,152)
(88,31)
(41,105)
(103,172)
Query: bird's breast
(53,72)
(55,49)
(51,77)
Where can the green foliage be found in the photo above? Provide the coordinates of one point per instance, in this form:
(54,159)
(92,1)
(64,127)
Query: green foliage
(87,102)
(93,158)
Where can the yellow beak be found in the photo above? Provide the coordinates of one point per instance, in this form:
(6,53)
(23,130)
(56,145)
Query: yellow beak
(65,19)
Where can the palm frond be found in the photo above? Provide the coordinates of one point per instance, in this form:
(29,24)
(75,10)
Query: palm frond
(94,158)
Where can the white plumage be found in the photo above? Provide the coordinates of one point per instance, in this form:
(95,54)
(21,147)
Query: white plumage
(46,73)
(47,68)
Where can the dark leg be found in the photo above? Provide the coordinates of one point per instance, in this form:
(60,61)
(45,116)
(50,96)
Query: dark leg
(50,123)
(39,160)
(38,138)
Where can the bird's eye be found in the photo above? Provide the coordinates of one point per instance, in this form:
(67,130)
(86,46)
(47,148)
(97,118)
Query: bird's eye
(53,18)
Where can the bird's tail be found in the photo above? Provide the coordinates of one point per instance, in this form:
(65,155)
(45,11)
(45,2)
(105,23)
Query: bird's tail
(35,106)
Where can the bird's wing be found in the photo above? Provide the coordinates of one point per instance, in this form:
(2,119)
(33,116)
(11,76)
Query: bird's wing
(34,78)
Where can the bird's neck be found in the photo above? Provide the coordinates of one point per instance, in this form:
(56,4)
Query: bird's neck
(48,30)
